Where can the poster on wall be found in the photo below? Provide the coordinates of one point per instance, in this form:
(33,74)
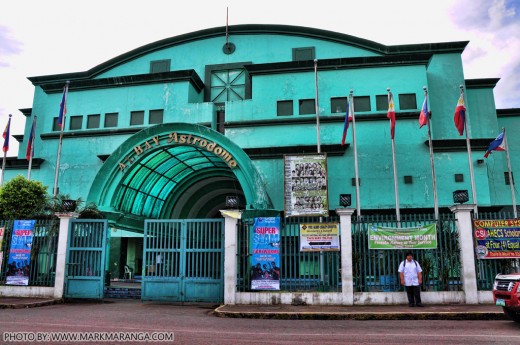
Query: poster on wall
(18,263)
(421,237)
(2,230)
(305,188)
(315,237)
(497,239)
(265,259)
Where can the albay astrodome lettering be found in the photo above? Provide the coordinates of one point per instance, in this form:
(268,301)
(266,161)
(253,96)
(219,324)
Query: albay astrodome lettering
(181,139)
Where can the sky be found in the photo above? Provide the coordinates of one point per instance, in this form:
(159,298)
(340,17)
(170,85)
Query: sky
(62,36)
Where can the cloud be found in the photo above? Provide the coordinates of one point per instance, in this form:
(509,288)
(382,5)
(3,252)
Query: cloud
(8,46)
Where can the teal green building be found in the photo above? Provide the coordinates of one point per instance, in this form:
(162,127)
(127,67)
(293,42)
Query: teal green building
(169,129)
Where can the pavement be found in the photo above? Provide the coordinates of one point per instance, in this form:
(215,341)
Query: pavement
(315,312)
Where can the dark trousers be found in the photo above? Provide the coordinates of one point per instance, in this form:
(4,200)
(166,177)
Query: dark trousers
(414,294)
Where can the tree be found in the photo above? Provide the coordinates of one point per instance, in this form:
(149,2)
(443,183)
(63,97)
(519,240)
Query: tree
(22,199)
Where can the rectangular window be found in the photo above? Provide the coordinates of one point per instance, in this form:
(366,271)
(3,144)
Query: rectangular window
(382,102)
(338,105)
(160,66)
(459,177)
(156,116)
(76,122)
(307,106)
(136,118)
(302,54)
(93,121)
(361,103)
(55,126)
(407,101)
(506,177)
(284,108)
(111,120)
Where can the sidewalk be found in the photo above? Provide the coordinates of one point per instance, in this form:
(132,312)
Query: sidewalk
(313,312)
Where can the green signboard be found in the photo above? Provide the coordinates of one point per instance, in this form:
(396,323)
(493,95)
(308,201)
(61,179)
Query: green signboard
(423,237)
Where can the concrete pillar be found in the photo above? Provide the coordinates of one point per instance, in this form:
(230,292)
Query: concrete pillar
(230,255)
(467,252)
(347,281)
(61,255)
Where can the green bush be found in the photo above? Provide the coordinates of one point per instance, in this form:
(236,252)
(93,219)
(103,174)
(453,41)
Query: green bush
(22,199)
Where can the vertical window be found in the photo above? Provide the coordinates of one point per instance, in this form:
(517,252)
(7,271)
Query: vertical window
(76,122)
(160,66)
(111,120)
(136,118)
(93,121)
(506,177)
(302,54)
(221,118)
(382,102)
(338,105)
(361,103)
(407,101)
(284,108)
(156,117)
(307,106)
(55,126)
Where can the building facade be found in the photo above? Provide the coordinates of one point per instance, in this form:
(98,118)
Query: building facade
(168,130)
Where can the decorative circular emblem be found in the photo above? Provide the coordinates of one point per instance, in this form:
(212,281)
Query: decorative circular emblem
(229,48)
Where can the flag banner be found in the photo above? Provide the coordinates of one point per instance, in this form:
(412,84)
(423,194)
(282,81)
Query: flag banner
(2,231)
(460,115)
(306,185)
(348,119)
(497,239)
(425,113)
(6,135)
(391,114)
(18,264)
(496,145)
(316,237)
(265,258)
(63,107)
(29,153)
(422,237)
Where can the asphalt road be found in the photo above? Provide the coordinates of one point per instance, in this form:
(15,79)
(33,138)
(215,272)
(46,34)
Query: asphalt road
(196,325)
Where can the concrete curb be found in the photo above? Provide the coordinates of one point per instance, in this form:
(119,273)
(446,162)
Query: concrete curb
(16,304)
(288,315)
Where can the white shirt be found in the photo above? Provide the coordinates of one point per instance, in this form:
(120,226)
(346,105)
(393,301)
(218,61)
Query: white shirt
(410,272)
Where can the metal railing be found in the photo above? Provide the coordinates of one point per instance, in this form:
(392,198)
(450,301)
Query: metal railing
(42,268)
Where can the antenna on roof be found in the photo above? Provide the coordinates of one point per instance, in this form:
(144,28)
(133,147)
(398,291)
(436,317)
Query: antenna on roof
(228,48)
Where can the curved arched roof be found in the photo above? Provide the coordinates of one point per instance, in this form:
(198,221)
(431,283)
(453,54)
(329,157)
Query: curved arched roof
(252,29)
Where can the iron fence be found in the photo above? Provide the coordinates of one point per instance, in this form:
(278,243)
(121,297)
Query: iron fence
(42,268)
(377,270)
(299,271)
(487,269)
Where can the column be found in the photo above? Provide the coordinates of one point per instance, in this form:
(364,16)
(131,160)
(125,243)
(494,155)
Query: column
(61,255)
(230,255)
(468,273)
(347,281)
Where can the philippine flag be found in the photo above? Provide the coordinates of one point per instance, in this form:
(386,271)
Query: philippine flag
(425,112)
(391,114)
(348,119)
(460,115)
(63,106)
(6,135)
(496,145)
(30,145)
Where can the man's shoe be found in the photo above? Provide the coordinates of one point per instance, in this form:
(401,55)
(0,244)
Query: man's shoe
(411,305)
(420,305)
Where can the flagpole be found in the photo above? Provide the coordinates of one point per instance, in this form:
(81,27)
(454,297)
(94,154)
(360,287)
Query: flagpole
(396,188)
(55,191)
(470,161)
(511,182)
(33,132)
(317,106)
(430,144)
(358,206)
(5,151)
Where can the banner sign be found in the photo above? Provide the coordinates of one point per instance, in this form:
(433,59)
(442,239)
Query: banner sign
(422,237)
(265,260)
(306,185)
(18,264)
(315,237)
(497,239)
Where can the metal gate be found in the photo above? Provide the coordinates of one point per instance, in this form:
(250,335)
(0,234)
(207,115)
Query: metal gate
(183,260)
(85,262)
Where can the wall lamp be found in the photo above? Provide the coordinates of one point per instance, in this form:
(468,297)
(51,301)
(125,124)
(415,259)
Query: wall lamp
(460,196)
(345,200)
(232,201)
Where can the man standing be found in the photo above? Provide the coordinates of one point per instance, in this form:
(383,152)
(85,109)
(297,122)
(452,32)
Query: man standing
(411,277)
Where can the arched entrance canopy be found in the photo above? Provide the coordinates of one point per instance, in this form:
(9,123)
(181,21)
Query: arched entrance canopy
(175,170)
